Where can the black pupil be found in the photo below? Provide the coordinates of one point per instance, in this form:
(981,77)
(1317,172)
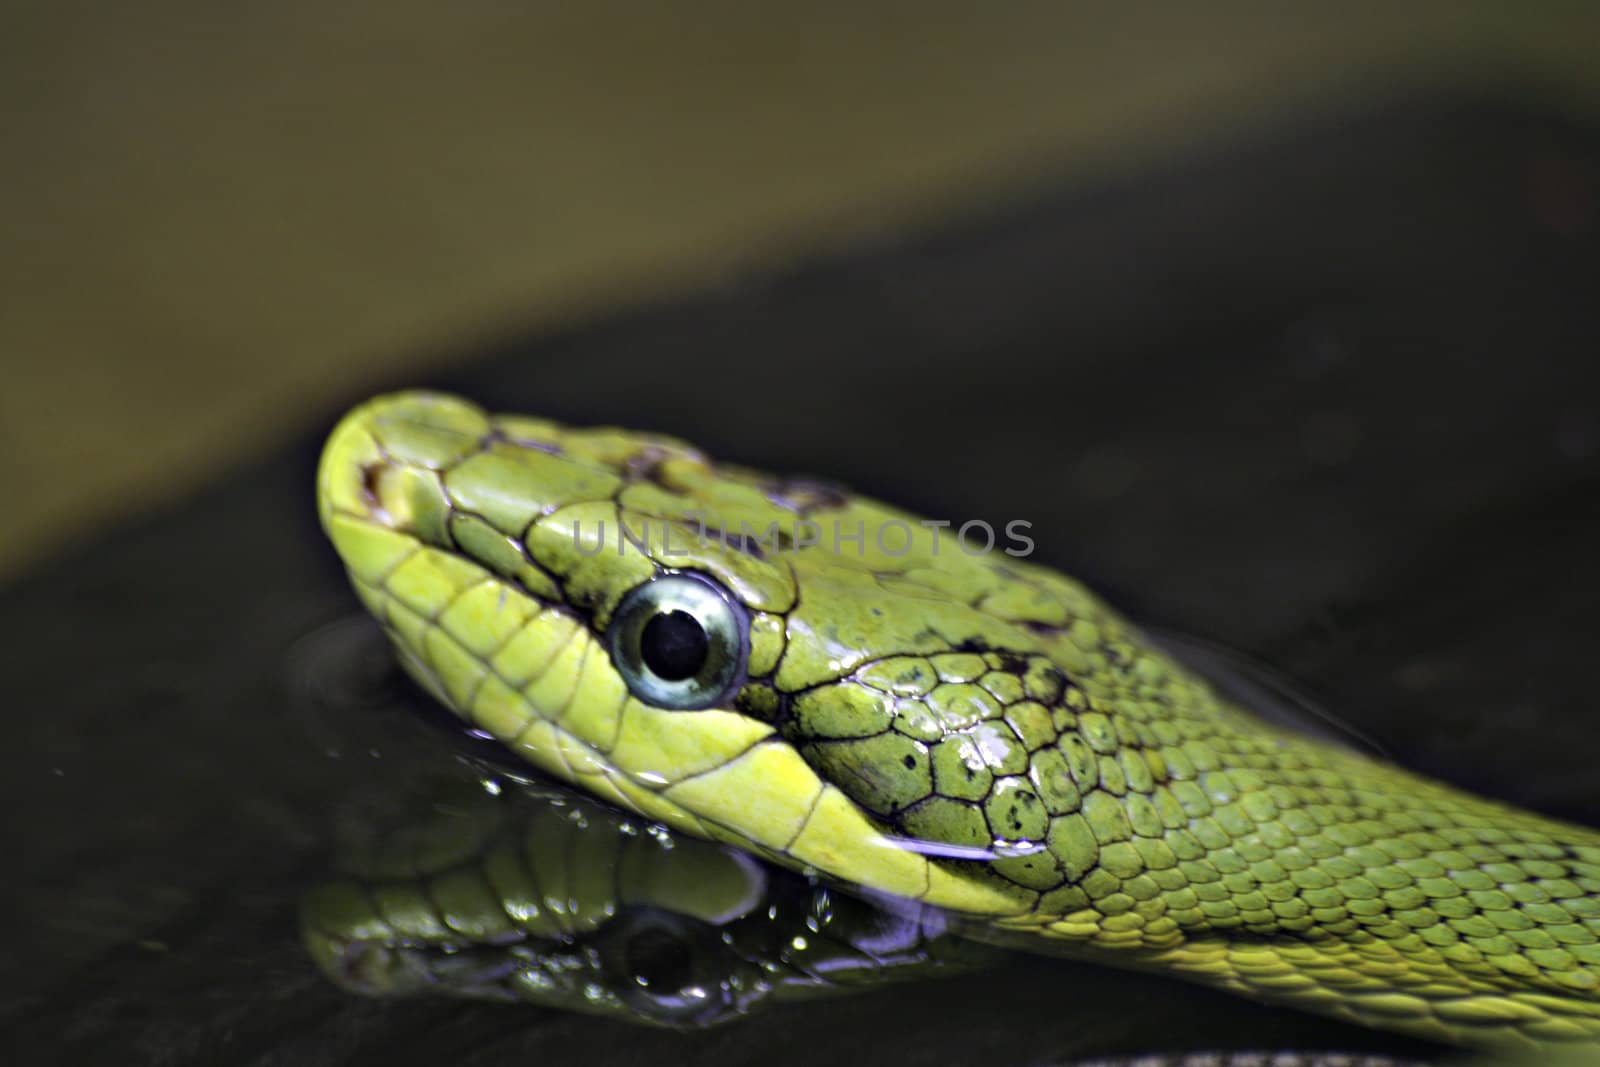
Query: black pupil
(674,646)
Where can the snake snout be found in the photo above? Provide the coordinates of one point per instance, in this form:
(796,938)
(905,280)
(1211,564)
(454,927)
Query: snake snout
(383,462)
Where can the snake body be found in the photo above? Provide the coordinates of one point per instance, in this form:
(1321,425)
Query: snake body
(964,730)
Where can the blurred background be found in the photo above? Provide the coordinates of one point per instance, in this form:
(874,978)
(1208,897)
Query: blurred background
(217,217)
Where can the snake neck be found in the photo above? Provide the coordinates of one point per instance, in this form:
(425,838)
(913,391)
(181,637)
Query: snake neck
(1200,841)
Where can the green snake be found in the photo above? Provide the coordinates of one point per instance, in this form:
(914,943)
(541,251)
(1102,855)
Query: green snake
(837,687)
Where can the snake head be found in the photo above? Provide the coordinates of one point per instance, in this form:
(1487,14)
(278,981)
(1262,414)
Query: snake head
(770,662)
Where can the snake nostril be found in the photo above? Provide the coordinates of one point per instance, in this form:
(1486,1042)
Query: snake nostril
(371,478)
(407,498)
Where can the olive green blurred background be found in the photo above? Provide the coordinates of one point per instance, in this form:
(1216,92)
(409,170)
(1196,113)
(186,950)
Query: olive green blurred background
(217,215)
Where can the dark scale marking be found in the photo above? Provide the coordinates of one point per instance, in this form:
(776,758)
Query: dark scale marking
(549,448)
(745,544)
(760,700)
(805,496)
(645,465)
(1012,662)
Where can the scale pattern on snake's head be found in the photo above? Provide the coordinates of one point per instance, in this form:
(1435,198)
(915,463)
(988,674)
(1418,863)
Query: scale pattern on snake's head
(902,713)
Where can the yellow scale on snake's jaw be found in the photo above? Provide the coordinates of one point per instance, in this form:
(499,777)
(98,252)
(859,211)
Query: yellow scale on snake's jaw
(903,714)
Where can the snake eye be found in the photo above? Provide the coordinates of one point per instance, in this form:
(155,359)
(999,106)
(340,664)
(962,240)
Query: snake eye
(679,642)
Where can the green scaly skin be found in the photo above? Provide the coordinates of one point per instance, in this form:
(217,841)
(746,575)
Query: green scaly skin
(545,897)
(949,699)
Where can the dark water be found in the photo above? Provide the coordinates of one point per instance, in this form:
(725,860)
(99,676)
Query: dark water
(1330,398)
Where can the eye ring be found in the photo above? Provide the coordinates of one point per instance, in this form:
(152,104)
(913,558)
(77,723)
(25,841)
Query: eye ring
(680,642)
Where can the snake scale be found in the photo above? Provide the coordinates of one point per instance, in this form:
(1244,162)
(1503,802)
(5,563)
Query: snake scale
(965,730)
